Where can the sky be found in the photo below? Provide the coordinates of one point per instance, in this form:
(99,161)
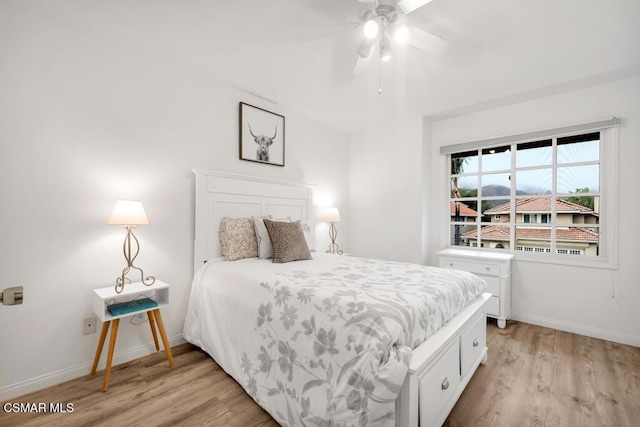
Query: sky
(576,168)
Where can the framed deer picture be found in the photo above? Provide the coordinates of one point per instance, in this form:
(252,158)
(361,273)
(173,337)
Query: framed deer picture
(261,135)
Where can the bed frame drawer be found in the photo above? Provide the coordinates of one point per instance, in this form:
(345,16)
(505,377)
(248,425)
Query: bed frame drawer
(472,344)
(439,384)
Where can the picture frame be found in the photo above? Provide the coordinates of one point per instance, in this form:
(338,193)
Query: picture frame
(262,135)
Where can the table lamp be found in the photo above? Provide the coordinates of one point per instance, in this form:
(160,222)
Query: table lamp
(129,213)
(332,215)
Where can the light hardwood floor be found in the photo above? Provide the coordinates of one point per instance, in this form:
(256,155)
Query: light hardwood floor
(534,377)
(538,376)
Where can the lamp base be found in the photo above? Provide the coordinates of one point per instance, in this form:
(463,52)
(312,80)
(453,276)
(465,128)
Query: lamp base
(120,281)
(333,247)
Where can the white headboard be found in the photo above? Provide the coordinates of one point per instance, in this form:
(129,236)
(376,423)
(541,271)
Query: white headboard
(220,194)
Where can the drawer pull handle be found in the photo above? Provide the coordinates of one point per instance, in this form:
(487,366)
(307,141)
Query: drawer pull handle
(445,384)
(450,264)
(487,268)
(475,342)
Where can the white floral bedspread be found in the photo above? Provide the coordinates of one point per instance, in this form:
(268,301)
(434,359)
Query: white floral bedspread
(326,341)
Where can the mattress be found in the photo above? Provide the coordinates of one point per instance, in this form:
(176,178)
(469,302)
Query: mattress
(326,341)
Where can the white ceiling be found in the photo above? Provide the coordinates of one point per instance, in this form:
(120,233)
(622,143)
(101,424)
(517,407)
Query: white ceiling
(300,53)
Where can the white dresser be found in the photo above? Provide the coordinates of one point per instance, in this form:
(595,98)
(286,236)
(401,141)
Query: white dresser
(494,268)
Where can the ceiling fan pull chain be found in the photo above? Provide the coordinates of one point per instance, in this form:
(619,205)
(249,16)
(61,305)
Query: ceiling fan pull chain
(379,76)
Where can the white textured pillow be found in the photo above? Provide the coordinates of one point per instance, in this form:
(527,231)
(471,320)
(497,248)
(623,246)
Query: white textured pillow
(238,238)
(265,249)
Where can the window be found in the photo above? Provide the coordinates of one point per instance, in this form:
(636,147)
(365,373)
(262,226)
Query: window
(544,197)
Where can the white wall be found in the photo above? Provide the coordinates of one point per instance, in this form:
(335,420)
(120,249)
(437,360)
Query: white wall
(595,302)
(394,207)
(86,120)
(386,187)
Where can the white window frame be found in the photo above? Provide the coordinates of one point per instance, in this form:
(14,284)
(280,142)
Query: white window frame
(608,224)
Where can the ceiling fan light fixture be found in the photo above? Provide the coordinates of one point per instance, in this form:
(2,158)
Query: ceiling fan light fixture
(385,49)
(371,28)
(401,34)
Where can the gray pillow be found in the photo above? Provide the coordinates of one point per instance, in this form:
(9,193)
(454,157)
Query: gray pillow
(288,241)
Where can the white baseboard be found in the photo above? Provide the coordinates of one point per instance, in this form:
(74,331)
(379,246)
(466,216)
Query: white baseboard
(43,381)
(578,329)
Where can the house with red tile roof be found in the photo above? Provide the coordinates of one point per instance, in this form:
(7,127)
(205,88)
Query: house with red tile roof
(538,210)
(572,232)
(465,213)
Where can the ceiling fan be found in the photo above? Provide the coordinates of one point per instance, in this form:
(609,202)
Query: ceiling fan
(385,19)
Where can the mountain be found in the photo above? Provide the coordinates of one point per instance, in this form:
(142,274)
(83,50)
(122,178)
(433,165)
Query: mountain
(501,190)
(495,190)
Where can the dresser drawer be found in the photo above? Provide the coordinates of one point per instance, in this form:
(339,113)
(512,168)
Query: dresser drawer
(493,307)
(439,384)
(486,268)
(492,266)
(472,343)
(493,285)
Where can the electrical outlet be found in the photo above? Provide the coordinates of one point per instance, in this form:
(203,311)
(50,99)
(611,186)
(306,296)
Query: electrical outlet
(11,296)
(89,325)
(139,318)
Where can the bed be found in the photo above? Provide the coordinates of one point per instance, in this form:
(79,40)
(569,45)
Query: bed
(327,339)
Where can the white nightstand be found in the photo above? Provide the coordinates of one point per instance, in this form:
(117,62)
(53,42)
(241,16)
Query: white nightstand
(494,268)
(104,297)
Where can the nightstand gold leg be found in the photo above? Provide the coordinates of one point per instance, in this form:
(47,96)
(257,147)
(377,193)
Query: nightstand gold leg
(103,335)
(163,334)
(112,345)
(152,324)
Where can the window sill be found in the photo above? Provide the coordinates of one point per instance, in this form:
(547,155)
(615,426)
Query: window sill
(568,260)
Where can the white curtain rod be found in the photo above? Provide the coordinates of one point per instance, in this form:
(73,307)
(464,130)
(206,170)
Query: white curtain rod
(508,139)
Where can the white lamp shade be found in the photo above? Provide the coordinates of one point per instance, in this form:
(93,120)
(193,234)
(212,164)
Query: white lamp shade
(401,34)
(128,212)
(371,28)
(331,214)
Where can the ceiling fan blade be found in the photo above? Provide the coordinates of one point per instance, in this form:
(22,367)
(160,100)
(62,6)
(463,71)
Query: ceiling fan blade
(365,47)
(361,64)
(363,58)
(427,41)
(408,6)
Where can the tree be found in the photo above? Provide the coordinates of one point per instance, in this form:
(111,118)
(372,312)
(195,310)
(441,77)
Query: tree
(457,167)
(586,201)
